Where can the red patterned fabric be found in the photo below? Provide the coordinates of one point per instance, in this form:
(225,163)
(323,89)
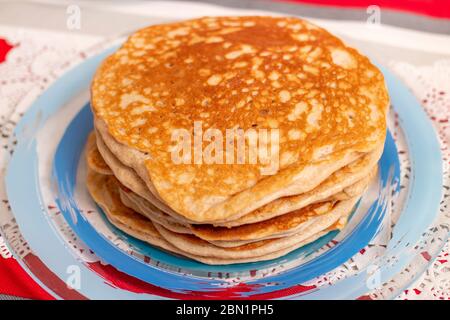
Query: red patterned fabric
(434,8)
(16,282)
(5,47)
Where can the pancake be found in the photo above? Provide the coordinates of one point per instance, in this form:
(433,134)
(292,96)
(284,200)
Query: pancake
(296,187)
(133,182)
(154,214)
(294,222)
(151,236)
(281,226)
(104,190)
(128,177)
(341,185)
(327,101)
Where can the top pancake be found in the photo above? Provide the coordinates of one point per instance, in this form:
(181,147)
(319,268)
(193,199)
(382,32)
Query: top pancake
(326,99)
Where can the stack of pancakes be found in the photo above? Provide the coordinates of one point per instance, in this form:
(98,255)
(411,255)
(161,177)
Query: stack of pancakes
(327,102)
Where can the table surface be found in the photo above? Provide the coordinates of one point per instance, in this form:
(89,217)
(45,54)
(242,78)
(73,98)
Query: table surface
(102,20)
